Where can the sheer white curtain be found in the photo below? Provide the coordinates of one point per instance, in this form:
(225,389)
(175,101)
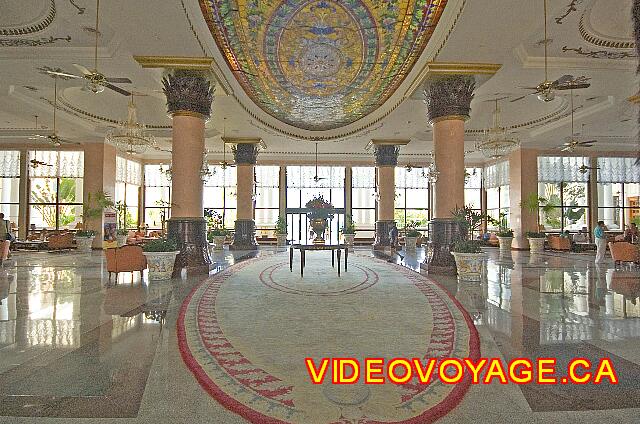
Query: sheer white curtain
(496,175)
(557,169)
(618,170)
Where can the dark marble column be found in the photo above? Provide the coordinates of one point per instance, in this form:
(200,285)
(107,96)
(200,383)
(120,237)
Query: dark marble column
(386,155)
(189,97)
(448,100)
(245,155)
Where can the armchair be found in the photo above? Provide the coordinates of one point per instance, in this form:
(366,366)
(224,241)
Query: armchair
(125,259)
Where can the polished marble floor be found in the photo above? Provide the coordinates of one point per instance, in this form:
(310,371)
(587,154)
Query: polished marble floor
(77,349)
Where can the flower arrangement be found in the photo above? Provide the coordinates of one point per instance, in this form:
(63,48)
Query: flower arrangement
(215,224)
(321,208)
(411,229)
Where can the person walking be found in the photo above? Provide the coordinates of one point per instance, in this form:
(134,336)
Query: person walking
(601,241)
(5,239)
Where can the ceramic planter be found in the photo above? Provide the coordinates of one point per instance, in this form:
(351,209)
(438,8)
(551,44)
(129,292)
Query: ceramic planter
(536,245)
(319,226)
(84,243)
(505,244)
(410,243)
(469,265)
(349,240)
(281,239)
(218,242)
(160,264)
(121,240)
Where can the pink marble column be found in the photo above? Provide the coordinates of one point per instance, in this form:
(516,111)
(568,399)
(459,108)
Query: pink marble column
(448,100)
(99,176)
(523,182)
(189,97)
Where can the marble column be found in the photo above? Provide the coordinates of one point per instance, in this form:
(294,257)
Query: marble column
(245,155)
(386,161)
(448,100)
(99,175)
(523,181)
(189,97)
(23,221)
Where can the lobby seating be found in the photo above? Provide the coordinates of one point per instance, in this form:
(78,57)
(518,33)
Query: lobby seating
(559,243)
(62,241)
(135,237)
(125,259)
(624,252)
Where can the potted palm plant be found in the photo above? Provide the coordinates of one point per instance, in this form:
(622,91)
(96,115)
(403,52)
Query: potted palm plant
(411,235)
(469,259)
(281,231)
(161,257)
(216,234)
(93,208)
(504,234)
(348,231)
(536,204)
(536,241)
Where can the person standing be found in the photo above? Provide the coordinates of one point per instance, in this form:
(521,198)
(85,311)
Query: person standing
(5,239)
(601,241)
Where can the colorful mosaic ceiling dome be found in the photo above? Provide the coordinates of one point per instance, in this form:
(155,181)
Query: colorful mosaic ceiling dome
(321,64)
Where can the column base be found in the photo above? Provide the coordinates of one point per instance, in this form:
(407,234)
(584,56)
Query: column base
(244,237)
(191,236)
(382,240)
(442,233)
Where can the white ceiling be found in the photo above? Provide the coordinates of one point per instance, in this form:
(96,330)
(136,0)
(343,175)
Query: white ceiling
(505,32)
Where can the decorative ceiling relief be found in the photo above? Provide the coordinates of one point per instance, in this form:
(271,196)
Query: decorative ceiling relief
(29,42)
(321,64)
(600,54)
(26,17)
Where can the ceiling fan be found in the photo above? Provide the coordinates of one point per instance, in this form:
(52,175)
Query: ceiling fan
(53,138)
(572,142)
(546,89)
(585,168)
(316,178)
(36,163)
(96,82)
(224,164)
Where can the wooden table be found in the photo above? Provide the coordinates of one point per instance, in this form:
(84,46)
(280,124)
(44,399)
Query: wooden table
(29,244)
(332,247)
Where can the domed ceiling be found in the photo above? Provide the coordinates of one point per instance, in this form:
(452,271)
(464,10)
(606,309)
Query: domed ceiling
(321,64)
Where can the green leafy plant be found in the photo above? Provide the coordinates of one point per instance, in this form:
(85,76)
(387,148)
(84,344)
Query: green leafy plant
(470,220)
(281,225)
(466,246)
(85,233)
(505,232)
(160,245)
(349,227)
(411,229)
(94,206)
(533,234)
(217,232)
(122,232)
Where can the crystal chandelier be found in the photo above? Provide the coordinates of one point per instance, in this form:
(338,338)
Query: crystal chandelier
(432,173)
(131,136)
(496,141)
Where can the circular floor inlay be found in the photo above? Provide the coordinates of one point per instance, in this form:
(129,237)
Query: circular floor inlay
(245,333)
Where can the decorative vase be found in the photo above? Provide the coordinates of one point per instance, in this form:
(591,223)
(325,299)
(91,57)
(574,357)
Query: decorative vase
(319,226)
(505,244)
(281,239)
(121,240)
(160,264)
(84,243)
(469,265)
(536,245)
(349,240)
(410,243)
(218,242)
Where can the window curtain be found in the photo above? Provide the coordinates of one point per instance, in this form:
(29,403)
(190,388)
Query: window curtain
(57,164)
(9,163)
(557,169)
(410,179)
(128,171)
(618,170)
(496,175)
(363,177)
(302,177)
(154,178)
(221,177)
(268,176)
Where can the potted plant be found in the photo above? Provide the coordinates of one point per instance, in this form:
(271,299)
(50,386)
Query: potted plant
(504,234)
(321,211)
(84,240)
(411,235)
(348,231)
(217,237)
(91,209)
(469,259)
(281,231)
(121,237)
(161,256)
(536,241)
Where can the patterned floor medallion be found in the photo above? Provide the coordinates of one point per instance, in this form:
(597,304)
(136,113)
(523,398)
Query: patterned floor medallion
(245,332)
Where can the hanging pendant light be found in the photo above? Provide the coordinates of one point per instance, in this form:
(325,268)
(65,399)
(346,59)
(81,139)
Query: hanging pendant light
(130,136)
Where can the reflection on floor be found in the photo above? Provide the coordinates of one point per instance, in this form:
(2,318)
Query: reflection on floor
(73,346)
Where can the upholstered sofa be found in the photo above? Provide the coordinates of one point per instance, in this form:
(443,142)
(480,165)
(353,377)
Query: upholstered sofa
(125,259)
(624,252)
(559,243)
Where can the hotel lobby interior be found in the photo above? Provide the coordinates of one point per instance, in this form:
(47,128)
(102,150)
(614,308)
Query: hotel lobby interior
(204,199)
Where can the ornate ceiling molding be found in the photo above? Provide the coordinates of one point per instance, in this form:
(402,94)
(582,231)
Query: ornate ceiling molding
(308,80)
(591,36)
(40,24)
